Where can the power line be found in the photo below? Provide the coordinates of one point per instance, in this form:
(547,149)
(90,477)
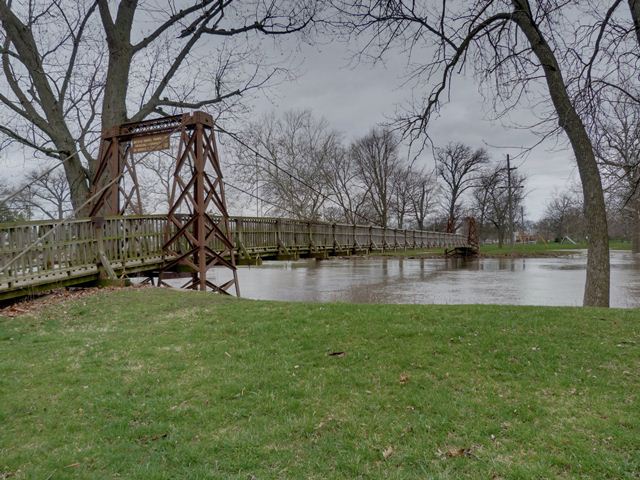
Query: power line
(71,216)
(294,177)
(44,174)
(260,198)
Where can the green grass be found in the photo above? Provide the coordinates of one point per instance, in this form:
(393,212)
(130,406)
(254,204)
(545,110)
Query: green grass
(518,250)
(160,384)
(551,248)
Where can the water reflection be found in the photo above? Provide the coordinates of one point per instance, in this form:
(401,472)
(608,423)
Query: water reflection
(540,281)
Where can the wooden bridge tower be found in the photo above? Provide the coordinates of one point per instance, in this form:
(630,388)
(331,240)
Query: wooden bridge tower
(198,234)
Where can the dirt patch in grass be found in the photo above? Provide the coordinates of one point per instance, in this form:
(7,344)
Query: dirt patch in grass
(37,304)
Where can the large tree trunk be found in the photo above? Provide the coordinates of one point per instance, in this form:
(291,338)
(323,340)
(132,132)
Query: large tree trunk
(114,106)
(596,291)
(635,222)
(53,120)
(451,220)
(118,32)
(634,6)
(635,232)
(78,184)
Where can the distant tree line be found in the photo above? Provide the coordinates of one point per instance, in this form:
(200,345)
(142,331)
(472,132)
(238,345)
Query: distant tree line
(301,167)
(298,166)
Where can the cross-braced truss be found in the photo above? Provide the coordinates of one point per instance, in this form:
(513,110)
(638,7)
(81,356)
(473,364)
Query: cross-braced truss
(198,236)
(115,182)
(199,240)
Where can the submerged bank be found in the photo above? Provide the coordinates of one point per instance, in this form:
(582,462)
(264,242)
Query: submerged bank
(520,250)
(512,281)
(154,383)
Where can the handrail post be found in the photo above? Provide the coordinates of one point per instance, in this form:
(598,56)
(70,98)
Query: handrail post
(239,243)
(98,225)
(355,238)
(278,239)
(335,239)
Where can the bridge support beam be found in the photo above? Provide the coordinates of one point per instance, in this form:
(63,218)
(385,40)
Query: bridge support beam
(196,238)
(115,187)
(198,234)
(472,247)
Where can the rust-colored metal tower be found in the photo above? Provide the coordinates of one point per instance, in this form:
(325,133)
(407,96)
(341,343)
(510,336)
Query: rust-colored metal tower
(200,240)
(473,236)
(198,234)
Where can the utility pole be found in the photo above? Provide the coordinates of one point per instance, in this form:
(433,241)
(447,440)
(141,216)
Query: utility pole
(257,187)
(510,187)
(29,200)
(510,199)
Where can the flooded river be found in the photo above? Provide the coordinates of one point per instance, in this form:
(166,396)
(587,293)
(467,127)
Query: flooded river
(523,281)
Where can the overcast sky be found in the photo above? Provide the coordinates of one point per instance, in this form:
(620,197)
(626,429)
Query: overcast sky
(354,98)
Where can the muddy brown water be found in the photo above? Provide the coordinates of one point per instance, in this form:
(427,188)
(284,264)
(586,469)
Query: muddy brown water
(522,281)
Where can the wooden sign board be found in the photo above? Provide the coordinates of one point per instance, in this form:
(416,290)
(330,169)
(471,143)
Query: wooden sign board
(150,143)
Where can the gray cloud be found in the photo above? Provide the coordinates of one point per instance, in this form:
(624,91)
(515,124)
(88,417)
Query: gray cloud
(355,98)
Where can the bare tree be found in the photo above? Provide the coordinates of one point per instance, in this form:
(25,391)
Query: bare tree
(515,44)
(564,217)
(458,166)
(377,158)
(74,67)
(345,187)
(47,194)
(403,190)
(155,174)
(424,194)
(605,55)
(618,151)
(492,202)
(480,196)
(10,211)
(288,156)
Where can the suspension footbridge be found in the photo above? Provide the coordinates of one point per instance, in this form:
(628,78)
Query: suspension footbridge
(196,234)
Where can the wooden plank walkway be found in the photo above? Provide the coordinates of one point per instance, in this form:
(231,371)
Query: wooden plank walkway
(36,256)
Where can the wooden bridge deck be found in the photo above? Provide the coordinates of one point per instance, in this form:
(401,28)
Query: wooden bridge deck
(50,255)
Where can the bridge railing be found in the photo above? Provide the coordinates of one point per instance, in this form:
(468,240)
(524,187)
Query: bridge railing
(290,235)
(134,239)
(50,251)
(256,231)
(31,249)
(41,252)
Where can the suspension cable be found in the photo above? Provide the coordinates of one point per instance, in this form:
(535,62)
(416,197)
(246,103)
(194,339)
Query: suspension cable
(294,177)
(259,198)
(70,217)
(12,195)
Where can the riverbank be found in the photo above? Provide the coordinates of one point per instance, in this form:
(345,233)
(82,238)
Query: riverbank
(153,383)
(520,250)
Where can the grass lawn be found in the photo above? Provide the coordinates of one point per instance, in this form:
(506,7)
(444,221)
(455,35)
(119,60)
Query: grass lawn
(550,249)
(161,384)
(525,249)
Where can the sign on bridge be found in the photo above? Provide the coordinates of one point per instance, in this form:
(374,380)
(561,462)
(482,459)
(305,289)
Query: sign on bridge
(150,143)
